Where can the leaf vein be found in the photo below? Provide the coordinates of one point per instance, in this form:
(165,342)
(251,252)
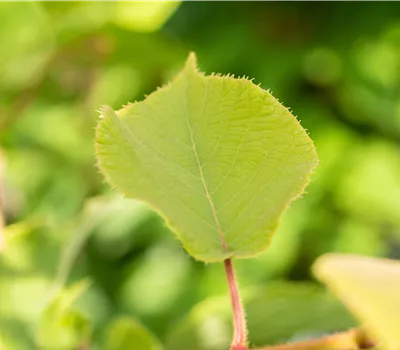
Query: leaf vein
(196,155)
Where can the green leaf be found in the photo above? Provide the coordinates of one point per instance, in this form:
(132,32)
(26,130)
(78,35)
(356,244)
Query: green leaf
(370,288)
(61,326)
(144,16)
(27,261)
(218,157)
(126,333)
(26,265)
(25,57)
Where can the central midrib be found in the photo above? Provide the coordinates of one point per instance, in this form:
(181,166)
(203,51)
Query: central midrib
(200,168)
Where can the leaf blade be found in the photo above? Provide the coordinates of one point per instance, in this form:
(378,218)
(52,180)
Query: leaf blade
(218,157)
(127,333)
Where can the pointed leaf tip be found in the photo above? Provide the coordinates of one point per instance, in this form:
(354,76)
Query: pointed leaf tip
(191,62)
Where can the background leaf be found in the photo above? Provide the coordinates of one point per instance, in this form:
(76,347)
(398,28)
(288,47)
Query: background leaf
(126,333)
(61,326)
(370,288)
(279,312)
(27,263)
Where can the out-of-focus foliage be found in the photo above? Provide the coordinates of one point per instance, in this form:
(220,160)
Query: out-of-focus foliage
(370,288)
(275,313)
(336,64)
(60,325)
(125,333)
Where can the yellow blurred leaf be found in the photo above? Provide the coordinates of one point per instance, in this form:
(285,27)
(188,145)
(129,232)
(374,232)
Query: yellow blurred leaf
(370,288)
(353,339)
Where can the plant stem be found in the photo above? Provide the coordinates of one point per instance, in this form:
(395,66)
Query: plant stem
(239,341)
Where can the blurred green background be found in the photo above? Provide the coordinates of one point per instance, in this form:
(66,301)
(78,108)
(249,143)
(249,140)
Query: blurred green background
(335,64)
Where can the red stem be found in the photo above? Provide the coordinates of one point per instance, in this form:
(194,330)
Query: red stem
(239,341)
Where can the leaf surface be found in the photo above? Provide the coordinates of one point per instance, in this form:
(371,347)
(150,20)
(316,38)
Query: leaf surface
(61,326)
(370,287)
(218,157)
(125,333)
